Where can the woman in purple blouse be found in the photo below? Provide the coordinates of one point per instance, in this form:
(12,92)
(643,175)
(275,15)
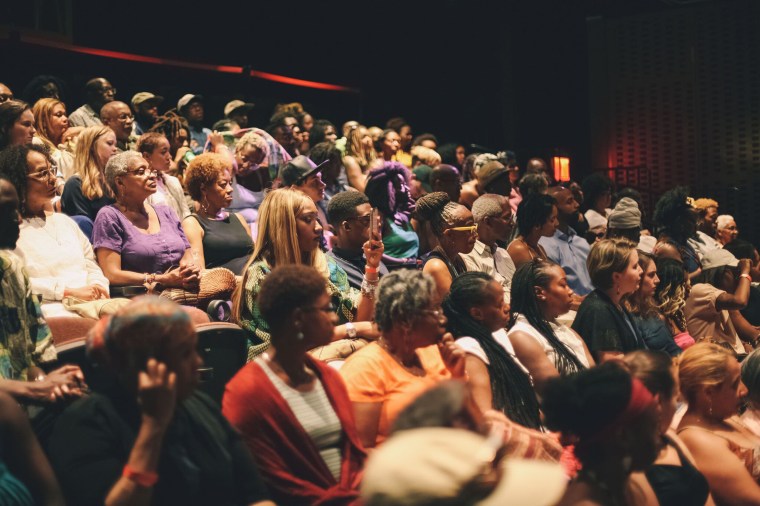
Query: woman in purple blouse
(135,242)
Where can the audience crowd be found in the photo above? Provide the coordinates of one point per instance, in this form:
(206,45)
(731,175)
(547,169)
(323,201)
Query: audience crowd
(424,323)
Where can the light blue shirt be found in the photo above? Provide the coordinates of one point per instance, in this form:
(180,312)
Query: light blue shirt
(570,251)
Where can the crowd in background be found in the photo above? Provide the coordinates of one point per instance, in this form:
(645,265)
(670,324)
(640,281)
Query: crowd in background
(425,322)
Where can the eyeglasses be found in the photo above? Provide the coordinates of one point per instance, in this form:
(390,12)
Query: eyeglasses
(435,313)
(4,97)
(42,175)
(125,117)
(471,229)
(108,91)
(143,172)
(330,308)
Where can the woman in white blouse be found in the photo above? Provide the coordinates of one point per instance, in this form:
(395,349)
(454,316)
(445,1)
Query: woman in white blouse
(58,257)
(546,347)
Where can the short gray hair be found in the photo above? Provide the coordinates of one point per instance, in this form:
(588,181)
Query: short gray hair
(488,205)
(117,166)
(255,140)
(401,296)
(723,220)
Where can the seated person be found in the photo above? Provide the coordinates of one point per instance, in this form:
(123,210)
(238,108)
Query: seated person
(743,249)
(566,247)
(493,216)
(349,213)
(289,233)
(293,410)
(453,229)
(650,322)
(388,191)
(155,148)
(536,218)
(602,321)
(25,340)
(58,257)
(84,193)
(719,291)
(411,355)
(251,176)
(304,175)
(151,437)
(136,243)
(218,238)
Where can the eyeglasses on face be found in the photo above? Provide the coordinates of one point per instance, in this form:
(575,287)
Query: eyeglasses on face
(4,97)
(364,220)
(42,175)
(435,313)
(143,172)
(470,229)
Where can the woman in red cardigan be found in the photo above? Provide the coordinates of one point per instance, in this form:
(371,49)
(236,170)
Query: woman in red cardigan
(293,410)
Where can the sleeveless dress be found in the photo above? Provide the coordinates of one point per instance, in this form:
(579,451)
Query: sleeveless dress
(680,485)
(750,457)
(225,243)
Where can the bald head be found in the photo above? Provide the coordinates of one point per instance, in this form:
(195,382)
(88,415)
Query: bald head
(99,92)
(118,116)
(9,217)
(445,178)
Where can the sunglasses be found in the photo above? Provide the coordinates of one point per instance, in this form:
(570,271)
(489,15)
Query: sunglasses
(470,229)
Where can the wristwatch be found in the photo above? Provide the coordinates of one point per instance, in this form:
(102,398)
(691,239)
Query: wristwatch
(350,330)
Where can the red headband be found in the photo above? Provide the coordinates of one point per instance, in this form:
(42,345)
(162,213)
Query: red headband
(641,399)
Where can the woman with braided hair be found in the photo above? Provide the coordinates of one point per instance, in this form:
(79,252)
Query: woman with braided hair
(545,346)
(454,229)
(477,315)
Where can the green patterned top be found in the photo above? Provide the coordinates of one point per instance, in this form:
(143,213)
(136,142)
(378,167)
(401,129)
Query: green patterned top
(25,339)
(345,298)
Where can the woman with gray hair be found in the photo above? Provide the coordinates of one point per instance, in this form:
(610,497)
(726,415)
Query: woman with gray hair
(135,242)
(726,229)
(413,353)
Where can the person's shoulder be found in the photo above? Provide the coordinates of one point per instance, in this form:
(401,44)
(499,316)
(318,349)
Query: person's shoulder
(73,182)
(109,212)
(369,355)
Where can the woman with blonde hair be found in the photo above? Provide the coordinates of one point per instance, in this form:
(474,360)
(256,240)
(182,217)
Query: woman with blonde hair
(289,233)
(52,125)
(725,451)
(602,321)
(85,192)
(360,153)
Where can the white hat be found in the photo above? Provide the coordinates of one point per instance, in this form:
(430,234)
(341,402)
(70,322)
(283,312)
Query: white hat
(186,99)
(425,466)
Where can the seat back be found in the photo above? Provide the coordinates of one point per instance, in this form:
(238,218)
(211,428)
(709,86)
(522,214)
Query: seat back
(224,350)
(85,225)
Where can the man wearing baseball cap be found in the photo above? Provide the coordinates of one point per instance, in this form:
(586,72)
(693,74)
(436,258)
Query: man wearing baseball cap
(237,111)
(303,174)
(145,106)
(190,106)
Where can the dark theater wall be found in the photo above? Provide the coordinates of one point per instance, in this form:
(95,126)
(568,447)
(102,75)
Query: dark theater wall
(675,99)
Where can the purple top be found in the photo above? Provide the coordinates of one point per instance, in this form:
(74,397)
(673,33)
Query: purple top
(140,252)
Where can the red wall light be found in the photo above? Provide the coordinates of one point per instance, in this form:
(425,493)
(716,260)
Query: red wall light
(561,166)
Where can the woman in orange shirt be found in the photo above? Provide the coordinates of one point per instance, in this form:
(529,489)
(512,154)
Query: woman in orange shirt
(412,354)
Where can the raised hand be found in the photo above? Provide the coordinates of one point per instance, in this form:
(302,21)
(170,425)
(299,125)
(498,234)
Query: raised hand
(157,392)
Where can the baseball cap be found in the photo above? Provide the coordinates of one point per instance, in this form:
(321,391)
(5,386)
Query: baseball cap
(422,174)
(431,465)
(236,104)
(186,99)
(145,96)
(718,258)
(299,168)
(489,172)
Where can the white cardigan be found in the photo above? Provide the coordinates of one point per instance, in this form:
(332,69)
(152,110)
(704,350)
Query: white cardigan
(57,256)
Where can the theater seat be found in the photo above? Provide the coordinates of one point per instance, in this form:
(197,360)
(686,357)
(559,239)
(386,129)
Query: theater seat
(85,225)
(223,348)
(66,328)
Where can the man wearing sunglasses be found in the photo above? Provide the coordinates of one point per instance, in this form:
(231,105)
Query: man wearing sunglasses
(349,215)
(99,92)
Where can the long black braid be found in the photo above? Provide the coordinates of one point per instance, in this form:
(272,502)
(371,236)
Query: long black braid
(523,299)
(510,386)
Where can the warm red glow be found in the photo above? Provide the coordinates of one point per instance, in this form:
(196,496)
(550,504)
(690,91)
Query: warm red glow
(561,166)
(118,55)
